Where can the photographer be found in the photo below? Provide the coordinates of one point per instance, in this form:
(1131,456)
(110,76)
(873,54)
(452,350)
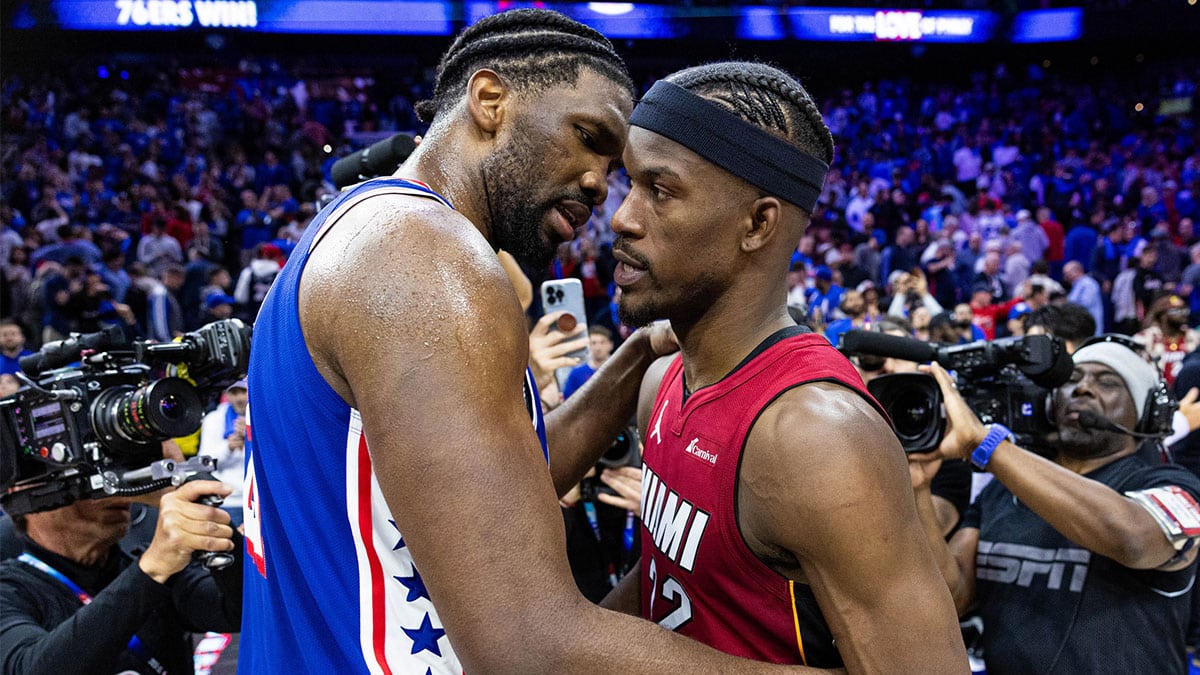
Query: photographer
(75,602)
(1052,547)
(601,515)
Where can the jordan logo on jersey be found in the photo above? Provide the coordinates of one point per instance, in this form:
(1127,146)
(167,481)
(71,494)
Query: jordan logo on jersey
(656,433)
(669,518)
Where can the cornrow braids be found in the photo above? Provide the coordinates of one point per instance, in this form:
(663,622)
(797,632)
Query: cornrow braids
(530,48)
(764,96)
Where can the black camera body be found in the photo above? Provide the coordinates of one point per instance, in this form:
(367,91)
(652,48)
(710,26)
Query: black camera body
(625,450)
(93,429)
(1007,381)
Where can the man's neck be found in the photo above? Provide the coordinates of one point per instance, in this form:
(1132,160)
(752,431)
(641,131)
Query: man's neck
(716,343)
(70,545)
(1171,332)
(11,353)
(428,165)
(1086,465)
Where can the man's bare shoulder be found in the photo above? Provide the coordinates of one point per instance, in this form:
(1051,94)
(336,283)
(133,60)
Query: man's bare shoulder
(396,230)
(817,440)
(823,450)
(404,275)
(821,417)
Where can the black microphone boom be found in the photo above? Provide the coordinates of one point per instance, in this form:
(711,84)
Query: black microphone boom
(1090,420)
(68,350)
(879,344)
(378,159)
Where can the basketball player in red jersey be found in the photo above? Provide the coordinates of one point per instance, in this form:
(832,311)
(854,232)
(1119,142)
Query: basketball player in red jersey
(777,518)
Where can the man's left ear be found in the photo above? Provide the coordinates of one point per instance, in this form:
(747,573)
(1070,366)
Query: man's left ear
(765,215)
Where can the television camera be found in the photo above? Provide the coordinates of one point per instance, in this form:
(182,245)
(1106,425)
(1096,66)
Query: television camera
(95,408)
(1006,381)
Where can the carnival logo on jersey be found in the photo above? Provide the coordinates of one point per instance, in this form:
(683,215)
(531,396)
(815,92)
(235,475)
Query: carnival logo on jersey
(669,518)
(699,453)
(1025,566)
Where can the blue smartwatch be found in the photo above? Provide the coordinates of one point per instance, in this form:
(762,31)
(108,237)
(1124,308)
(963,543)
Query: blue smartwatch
(997,434)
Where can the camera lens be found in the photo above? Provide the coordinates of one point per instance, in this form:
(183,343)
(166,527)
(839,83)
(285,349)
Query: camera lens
(166,408)
(913,402)
(171,407)
(622,452)
(911,415)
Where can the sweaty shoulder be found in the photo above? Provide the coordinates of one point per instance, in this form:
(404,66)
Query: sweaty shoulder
(406,278)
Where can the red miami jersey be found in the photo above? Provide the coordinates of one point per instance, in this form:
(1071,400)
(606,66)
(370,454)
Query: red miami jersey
(698,576)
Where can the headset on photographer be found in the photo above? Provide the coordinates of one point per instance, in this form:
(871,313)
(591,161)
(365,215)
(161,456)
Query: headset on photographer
(1157,419)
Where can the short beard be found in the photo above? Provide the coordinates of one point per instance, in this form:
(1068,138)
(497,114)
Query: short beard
(1089,444)
(515,219)
(694,302)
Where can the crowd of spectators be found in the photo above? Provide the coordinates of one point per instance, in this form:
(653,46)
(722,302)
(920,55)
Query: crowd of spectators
(160,200)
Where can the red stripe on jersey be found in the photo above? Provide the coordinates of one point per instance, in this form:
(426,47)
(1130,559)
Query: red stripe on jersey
(378,601)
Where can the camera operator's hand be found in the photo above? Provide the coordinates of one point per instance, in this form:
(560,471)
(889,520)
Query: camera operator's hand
(627,482)
(237,439)
(549,348)
(964,431)
(922,467)
(185,527)
(1189,407)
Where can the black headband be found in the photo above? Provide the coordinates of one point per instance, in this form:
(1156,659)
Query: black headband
(744,150)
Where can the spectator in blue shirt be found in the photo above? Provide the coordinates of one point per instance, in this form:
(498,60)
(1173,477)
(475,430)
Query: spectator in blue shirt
(12,346)
(1085,292)
(825,297)
(600,347)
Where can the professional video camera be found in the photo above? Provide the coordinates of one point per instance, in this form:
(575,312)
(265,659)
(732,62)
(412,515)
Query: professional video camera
(95,428)
(1006,381)
(624,451)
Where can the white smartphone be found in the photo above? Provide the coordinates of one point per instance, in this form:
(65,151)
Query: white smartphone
(566,295)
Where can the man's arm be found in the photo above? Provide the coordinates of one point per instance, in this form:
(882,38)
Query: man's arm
(93,636)
(955,559)
(626,598)
(824,494)
(431,350)
(581,429)
(1085,511)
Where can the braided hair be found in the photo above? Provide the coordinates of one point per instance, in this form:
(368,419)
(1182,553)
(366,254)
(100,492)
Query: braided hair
(531,48)
(764,96)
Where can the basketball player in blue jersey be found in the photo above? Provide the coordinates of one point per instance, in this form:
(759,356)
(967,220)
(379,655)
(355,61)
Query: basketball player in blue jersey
(778,519)
(400,517)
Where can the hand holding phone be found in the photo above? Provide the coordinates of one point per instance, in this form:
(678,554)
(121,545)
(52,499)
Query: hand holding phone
(566,295)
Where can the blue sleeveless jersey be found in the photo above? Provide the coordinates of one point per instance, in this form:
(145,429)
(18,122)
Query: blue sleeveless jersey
(330,585)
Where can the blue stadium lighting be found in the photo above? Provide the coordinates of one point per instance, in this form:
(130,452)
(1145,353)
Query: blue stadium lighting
(1048,25)
(611,8)
(102,72)
(760,23)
